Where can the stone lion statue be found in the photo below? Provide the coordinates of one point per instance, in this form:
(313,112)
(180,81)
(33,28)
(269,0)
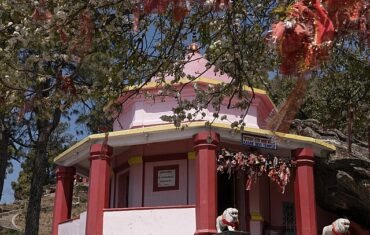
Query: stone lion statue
(338,227)
(228,220)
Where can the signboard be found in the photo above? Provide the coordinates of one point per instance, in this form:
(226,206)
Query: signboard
(258,141)
(166,178)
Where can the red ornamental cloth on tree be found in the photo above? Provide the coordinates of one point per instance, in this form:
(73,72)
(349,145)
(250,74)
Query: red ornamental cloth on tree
(180,10)
(86,29)
(41,13)
(150,5)
(67,85)
(348,14)
(79,44)
(179,7)
(303,38)
(82,42)
(159,6)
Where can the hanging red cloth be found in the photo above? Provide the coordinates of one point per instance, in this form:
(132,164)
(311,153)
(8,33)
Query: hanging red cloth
(304,38)
(347,14)
(180,10)
(350,16)
(41,13)
(150,5)
(178,7)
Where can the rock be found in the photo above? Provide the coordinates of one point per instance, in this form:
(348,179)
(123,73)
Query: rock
(342,181)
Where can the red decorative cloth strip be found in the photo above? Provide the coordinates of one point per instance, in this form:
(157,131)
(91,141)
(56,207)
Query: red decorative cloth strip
(229,223)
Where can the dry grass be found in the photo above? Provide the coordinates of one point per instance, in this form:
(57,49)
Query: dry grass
(47,206)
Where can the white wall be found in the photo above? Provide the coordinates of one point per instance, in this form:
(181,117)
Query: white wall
(166,221)
(73,227)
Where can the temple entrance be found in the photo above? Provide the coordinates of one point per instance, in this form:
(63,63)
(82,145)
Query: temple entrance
(231,193)
(225,192)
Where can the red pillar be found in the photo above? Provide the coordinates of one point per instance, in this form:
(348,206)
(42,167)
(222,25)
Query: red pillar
(206,182)
(99,182)
(304,192)
(63,196)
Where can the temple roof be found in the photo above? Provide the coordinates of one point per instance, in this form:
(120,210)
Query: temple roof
(158,131)
(121,140)
(198,66)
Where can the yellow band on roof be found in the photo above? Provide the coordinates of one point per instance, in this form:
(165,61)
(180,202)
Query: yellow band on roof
(168,127)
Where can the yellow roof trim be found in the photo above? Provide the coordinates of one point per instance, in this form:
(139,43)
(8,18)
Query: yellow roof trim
(281,135)
(124,133)
(306,139)
(75,146)
(165,127)
(201,80)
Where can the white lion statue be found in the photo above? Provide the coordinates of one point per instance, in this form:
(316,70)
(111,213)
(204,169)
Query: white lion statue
(228,220)
(338,227)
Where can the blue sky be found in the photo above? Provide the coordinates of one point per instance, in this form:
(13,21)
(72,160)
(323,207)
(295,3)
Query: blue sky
(8,193)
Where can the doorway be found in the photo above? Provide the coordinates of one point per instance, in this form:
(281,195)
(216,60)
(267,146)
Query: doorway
(225,192)
(231,193)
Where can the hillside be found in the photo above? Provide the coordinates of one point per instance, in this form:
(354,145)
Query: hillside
(46,216)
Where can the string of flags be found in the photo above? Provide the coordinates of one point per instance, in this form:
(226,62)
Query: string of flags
(255,164)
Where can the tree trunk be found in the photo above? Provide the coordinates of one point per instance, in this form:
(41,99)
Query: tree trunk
(4,158)
(368,139)
(37,183)
(282,120)
(45,129)
(350,118)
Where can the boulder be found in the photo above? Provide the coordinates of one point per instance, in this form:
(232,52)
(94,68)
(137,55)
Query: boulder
(342,180)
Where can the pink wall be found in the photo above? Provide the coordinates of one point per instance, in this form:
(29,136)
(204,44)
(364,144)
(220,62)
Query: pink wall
(266,200)
(277,199)
(256,198)
(135,191)
(264,197)
(183,196)
(145,112)
(128,112)
(191,182)
(170,197)
(186,192)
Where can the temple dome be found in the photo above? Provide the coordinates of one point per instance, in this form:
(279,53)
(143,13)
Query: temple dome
(139,111)
(195,65)
(198,67)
